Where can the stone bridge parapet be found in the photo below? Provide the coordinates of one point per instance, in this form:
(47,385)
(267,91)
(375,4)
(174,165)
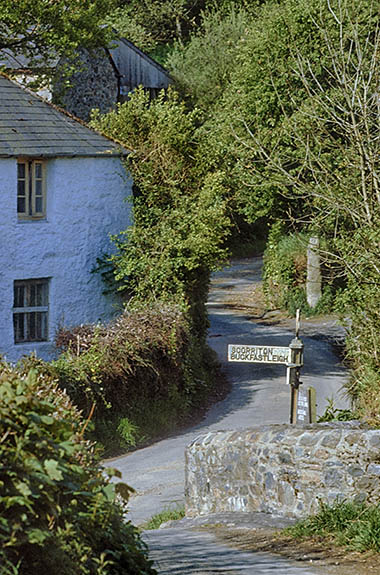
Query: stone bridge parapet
(282,469)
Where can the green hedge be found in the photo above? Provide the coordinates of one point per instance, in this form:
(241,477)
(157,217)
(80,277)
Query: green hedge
(58,512)
(139,377)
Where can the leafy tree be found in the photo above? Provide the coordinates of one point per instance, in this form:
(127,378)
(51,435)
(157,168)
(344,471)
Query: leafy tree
(41,30)
(260,94)
(202,67)
(180,220)
(326,153)
(155,22)
(295,128)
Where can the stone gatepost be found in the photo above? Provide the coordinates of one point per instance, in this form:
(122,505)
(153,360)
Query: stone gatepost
(314,277)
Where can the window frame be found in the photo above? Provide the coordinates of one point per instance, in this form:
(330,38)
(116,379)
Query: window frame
(32,192)
(32,323)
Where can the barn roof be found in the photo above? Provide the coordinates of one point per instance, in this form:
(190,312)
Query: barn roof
(136,68)
(140,53)
(30,126)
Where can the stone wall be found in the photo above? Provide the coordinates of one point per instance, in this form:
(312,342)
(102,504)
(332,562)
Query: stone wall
(282,469)
(92,85)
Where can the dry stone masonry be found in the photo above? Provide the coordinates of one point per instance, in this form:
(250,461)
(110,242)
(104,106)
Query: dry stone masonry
(282,469)
(92,85)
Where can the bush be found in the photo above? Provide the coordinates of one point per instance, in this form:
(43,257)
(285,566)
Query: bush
(285,264)
(360,302)
(179,208)
(138,355)
(57,508)
(141,375)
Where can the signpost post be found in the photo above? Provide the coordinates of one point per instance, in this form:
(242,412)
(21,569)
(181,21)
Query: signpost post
(302,402)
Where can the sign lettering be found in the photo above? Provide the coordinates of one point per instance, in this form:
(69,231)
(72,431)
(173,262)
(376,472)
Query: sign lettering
(303,406)
(259,354)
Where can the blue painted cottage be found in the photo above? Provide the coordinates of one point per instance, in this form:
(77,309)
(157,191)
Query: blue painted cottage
(63,189)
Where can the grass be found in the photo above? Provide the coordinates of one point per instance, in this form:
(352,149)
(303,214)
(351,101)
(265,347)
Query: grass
(163,517)
(354,525)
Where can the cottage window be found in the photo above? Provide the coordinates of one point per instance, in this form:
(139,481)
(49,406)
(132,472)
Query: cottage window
(30,310)
(31,189)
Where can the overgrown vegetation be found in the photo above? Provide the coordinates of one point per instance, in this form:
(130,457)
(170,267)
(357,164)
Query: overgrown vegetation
(57,507)
(41,31)
(290,117)
(167,255)
(282,111)
(153,25)
(355,525)
(137,378)
(285,273)
(333,413)
(180,220)
(164,516)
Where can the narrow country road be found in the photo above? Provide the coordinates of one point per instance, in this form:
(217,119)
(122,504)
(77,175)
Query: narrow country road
(259,395)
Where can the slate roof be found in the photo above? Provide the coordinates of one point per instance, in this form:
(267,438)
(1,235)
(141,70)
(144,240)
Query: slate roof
(31,127)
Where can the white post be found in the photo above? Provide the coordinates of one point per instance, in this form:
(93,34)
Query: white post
(314,278)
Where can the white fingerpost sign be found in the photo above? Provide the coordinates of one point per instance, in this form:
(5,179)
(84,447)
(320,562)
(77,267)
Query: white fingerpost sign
(259,353)
(302,403)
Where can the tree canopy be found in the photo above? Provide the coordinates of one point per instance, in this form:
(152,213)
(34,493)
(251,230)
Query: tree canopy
(41,30)
(286,93)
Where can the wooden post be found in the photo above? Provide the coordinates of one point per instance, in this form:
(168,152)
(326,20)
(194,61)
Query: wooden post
(293,404)
(294,368)
(302,403)
(312,404)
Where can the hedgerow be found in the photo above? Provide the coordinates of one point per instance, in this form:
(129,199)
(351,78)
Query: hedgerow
(137,378)
(58,511)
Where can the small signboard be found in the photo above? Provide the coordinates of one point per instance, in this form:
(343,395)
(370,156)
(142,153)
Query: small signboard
(303,408)
(259,354)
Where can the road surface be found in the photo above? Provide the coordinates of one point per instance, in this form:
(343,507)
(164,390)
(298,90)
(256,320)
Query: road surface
(259,394)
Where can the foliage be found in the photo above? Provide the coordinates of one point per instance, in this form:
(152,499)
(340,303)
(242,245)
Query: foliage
(58,510)
(332,413)
(41,30)
(285,266)
(138,377)
(326,153)
(128,358)
(254,103)
(155,23)
(355,525)
(360,302)
(180,220)
(164,516)
(249,122)
(127,431)
(202,67)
